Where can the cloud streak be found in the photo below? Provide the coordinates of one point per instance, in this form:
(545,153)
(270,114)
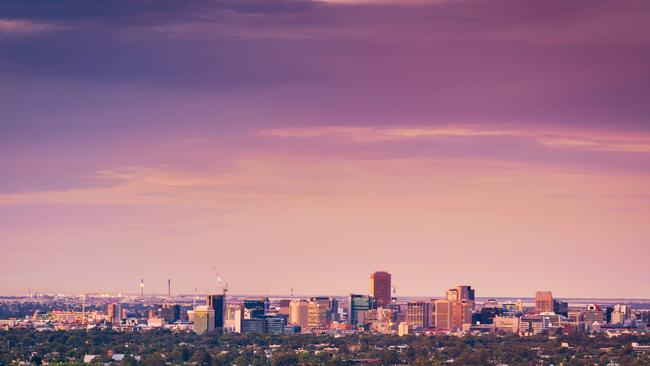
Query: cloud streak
(588,141)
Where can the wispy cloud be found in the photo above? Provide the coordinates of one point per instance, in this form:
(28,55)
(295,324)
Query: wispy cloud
(614,142)
(23,27)
(130,187)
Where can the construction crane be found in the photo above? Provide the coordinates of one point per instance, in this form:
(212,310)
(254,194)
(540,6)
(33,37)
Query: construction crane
(222,286)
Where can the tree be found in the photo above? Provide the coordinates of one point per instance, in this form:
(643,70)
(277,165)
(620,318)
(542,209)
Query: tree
(154,360)
(201,357)
(285,359)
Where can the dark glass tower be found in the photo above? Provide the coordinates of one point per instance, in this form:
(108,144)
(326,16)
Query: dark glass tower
(218,303)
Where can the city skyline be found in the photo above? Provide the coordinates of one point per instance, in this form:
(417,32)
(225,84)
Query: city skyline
(297,146)
(449,294)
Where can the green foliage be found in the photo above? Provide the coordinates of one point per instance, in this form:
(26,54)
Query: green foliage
(165,348)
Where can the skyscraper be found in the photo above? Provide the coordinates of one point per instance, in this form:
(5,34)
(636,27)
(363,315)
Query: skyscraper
(443,314)
(543,302)
(318,313)
(334,306)
(299,313)
(380,287)
(357,303)
(218,304)
(203,319)
(461,313)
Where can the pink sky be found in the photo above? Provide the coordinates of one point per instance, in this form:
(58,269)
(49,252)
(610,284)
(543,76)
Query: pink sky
(302,144)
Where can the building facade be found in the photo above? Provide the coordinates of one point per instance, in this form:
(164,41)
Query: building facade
(203,319)
(543,302)
(380,288)
(299,313)
(418,315)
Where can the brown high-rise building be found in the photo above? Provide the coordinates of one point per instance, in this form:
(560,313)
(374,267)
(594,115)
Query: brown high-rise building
(418,314)
(443,314)
(543,302)
(380,287)
(452,314)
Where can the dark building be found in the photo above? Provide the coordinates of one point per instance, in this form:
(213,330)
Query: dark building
(275,323)
(486,315)
(256,308)
(335,309)
(560,307)
(217,302)
(292,329)
(253,326)
(171,313)
(608,314)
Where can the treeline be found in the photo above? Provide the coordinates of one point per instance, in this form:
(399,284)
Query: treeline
(26,309)
(163,347)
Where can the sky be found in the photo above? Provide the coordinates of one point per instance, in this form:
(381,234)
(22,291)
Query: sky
(296,144)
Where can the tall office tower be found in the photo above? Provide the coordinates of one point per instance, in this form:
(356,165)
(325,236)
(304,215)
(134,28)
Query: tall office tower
(359,303)
(171,313)
(318,313)
(218,304)
(418,315)
(203,319)
(543,302)
(325,306)
(299,313)
(461,313)
(255,309)
(284,306)
(608,314)
(334,306)
(432,313)
(142,288)
(452,314)
(114,313)
(380,286)
(443,314)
